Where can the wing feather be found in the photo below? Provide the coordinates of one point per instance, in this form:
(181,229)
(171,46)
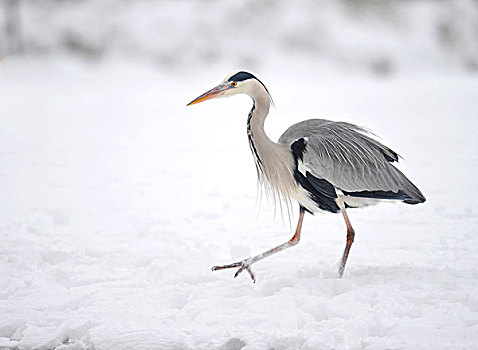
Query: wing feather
(346,156)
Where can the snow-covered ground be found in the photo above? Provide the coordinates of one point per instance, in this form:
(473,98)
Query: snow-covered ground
(116,200)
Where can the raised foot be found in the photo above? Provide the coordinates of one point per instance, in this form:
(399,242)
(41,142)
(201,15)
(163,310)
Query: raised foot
(242,265)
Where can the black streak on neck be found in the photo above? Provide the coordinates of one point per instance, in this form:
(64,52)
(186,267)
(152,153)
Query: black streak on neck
(251,140)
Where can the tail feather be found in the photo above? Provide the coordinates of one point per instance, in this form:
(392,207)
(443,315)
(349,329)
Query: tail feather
(407,192)
(415,196)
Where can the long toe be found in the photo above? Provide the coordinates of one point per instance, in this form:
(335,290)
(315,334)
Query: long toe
(242,265)
(245,266)
(228,266)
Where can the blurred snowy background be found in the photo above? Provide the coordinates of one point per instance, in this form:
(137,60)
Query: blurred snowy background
(370,35)
(116,199)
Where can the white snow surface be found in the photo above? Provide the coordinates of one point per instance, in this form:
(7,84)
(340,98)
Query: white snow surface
(117,199)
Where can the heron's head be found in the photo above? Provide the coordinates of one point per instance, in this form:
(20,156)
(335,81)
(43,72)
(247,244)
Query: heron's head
(235,83)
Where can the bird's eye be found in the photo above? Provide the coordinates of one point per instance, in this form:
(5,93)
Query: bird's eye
(234,84)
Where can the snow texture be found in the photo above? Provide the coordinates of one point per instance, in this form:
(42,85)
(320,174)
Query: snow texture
(117,199)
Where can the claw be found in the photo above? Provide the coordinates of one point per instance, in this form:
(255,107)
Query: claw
(243,265)
(251,274)
(239,271)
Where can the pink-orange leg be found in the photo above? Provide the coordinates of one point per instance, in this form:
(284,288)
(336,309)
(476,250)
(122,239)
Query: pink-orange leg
(350,240)
(246,263)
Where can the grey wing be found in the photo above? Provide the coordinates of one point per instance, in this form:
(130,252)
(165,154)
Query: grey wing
(353,162)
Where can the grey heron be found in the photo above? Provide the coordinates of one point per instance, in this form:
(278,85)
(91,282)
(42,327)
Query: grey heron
(323,165)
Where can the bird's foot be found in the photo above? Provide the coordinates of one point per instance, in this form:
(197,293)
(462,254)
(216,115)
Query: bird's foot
(242,265)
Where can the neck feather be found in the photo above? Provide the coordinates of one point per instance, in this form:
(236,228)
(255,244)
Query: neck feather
(274,161)
(259,142)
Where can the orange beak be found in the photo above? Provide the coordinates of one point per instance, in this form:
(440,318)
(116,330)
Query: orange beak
(215,92)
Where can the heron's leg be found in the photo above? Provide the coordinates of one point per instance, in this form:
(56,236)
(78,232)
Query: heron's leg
(350,240)
(246,263)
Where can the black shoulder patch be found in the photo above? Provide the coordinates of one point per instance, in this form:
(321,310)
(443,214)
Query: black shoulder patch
(298,149)
(320,191)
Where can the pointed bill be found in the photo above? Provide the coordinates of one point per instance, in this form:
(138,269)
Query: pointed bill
(215,92)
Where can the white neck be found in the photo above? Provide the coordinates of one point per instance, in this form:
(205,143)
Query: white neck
(274,161)
(259,112)
(260,144)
